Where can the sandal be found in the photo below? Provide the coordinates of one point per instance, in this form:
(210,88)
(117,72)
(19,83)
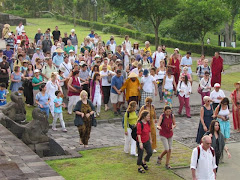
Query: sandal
(159,161)
(167,166)
(140,170)
(145,166)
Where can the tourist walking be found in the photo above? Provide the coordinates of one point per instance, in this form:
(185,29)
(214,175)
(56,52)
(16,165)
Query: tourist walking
(4,71)
(144,140)
(96,92)
(161,71)
(27,84)
(84,111)
(153,120)
(203,68)
(168,85)
(43,99)
(205,86)
(217,69)
(130,121)
(174,64)
(235,97)
(166,125)
(216,95)
(206,117)
(185,89)
(16,79)
(74,41)
(203,161)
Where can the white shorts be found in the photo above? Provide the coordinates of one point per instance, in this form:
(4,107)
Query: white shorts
(115,98)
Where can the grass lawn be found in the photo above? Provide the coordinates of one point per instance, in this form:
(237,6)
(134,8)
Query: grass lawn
(113,163)
(44,23)
(228,80)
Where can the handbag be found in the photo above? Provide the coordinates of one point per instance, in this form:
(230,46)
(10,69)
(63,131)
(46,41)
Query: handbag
(199,90)
(94,121)
(109,78)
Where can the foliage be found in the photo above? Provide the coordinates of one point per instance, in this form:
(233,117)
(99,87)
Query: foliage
(113,163)
(106,30)
(200,17)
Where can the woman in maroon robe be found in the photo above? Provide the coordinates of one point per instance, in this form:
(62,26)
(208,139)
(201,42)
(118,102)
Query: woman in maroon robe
(235,96)
(217,69)
(174,64)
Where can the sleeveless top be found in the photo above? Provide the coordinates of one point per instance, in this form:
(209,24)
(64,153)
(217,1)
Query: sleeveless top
(161,74)
(168,83)
(207,117)
(76,83)
(167,126)
(223,112)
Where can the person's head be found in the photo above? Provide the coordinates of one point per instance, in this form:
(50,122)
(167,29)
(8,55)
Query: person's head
(169,71)
(39,31)
(98,63)
(144,56)
(206,142)
(140,73)
(49,60)
(214,127)
(19,50)
(56,28)
(144,115)
(76,73)
(54,76)
(83,95)
(36,72)
(2,86)
(225,101)
(66,60)
(58,93)
(41,37)
(217,86)
(176,50)
(47,37)
(217,54)
(148,101)
(65,35)
(104,67)
(42,88)
(4,58)
(69,43)
(207,100)
(162,63)
(159,48)
(205,63)
(17,69)
(237,85)
(30,67)
(202,56)
(8,47)
(84,67)
(136,45)
(188,54)
(112,40)
(20,91)
(120,66)
(132,106)
(147,44)
(145,72)
(96,76)
(95,68)
(167,110)
(206,75)
(185,70)
(119,47)
(73,31)
(126,37)
(153,71)
(105,61)
(119,73)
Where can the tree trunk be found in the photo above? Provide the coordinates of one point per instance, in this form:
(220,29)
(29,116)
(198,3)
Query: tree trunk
(74,15)
(229,32)
(156,36)
(202,39)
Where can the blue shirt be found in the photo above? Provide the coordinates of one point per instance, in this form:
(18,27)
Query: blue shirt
(58,101)
(2,94)
(117,82)
(187,61)
(58,60)
(91,35)
(150,59)
(42,99)
(9,55)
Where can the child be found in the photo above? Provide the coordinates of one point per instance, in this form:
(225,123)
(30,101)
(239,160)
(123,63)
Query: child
(3,94)
(20,91)
(58,104)
(96,92)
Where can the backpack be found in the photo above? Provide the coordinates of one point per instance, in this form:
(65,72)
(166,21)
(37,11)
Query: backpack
(200,69)
(134,131)
(180,88)
(147,61)
(123,119)
(163,117)
(198,149)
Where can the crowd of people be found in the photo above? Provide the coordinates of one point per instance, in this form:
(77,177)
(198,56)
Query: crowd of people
(56,68)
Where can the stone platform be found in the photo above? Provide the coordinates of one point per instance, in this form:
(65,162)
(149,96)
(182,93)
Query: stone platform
(19,162)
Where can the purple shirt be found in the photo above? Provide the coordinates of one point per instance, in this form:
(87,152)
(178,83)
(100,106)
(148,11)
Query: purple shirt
(9,55)
(35,55)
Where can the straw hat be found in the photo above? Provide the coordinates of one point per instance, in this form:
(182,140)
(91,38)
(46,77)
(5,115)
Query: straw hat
(97,56)
(82,63)
(236,83)
(132,75)
(25,61)
(6,25)
(59,50)
(62,69)
(135,63)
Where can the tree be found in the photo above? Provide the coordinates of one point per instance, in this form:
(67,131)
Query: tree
(154,11)
(233,7)
(200,17)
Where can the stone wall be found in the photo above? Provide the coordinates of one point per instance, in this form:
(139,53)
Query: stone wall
(230,58)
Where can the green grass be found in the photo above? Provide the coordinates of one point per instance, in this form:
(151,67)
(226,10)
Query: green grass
(113,163)
(228,80)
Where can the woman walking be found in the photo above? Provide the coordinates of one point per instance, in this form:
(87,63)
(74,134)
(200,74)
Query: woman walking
(218,142)
(84,111)
(184,88)
(206,117)
(168,85)
(130,121)
(27,84)
(205,85)
(174,65)
(222,113)
(96,92)
(166,124)
(235,96)
(161,71)
(144,140)
(153,119)
(43,99)
(16,79)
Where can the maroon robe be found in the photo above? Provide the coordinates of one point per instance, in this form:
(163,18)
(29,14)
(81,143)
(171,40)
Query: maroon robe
(217,68)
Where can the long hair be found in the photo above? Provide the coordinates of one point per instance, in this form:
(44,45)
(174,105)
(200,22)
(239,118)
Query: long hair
(143,114)
(95,77)
(212,127)
(131,106)
(186,79)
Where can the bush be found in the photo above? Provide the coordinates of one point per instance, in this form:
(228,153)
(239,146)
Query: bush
(186,46)
(46,15)
(19,13)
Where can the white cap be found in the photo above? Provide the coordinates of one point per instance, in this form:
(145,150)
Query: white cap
(18,41)
(71,50)
(73,30)
(36,70)
(9,34)
(217,85)
(176,49)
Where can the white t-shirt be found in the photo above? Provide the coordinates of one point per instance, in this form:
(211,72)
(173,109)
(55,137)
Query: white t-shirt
(148,83)
(214,95)
(159,57)
(19,29)
(113,48)
(67,67)
(205,166)
(104,79)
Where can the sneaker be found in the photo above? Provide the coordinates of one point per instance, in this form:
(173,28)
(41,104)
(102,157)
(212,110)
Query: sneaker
(136,155)
(154,151)
(64,130)
(54,129)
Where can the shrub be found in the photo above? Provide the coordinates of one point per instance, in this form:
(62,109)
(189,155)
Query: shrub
(46,15)
(186,46)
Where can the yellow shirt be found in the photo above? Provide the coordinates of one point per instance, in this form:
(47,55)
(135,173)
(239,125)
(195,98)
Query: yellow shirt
(131,88)
(147,49)
(108,67)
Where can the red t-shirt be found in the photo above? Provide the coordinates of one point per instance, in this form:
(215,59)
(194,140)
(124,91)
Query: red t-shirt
(167,127)
(143,132)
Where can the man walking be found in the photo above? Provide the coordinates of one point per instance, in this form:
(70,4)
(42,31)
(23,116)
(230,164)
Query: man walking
(217,69)
(203,161)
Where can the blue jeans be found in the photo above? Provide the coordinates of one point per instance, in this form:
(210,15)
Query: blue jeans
(46,110)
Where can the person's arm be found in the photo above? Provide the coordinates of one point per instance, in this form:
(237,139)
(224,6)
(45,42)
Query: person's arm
(174,122)
(70,84)
(174,83)
(160,122)
(227,151)
(139,133)
(124,86)
(155,86)
(164,79)
(202,120)
(125,122)
(193,164)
